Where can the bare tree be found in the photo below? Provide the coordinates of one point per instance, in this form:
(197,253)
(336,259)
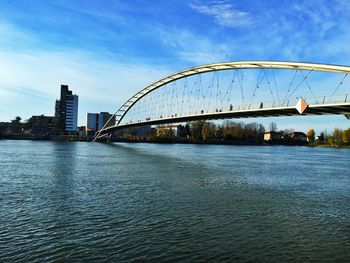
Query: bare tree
(273,126)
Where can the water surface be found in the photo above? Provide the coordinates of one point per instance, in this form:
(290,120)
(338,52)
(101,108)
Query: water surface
(67,202)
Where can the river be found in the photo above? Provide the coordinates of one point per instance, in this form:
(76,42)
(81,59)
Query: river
(93,202)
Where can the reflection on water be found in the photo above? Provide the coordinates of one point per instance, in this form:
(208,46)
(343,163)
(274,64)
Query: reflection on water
(146,202)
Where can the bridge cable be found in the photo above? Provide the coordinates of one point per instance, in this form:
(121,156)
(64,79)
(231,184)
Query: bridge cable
(241,87)
(204,92)
(271,91)
(305,77)
(172,104)
(230,91)
(274,81)
(200,87)
(210,88)
(251,99)
(309,87)
(335,90)
(217,92)
(289,87)
(198,91)
(192,105)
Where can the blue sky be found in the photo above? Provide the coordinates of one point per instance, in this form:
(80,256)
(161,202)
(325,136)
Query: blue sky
(107,50)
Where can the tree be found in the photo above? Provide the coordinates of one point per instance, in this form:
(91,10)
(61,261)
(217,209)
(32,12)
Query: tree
(346,136)
(196,130)
(311,135)
(251,132)
(16,126)
(273,126)
(165,134)
(208,131)
(337,136)
(27,124)
(183,131)
(233,130)
(187,129)
(322,136)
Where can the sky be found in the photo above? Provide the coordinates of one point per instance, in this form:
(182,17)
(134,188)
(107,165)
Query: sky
(107,50)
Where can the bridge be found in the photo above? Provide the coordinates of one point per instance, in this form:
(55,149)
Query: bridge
(236,90)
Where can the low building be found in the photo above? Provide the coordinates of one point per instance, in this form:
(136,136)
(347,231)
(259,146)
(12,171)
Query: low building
(298,137)
(272,136)
(43,125)
(4,127)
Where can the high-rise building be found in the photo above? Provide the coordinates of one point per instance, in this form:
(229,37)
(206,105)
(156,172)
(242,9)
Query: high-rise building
(96,121)
(66,111)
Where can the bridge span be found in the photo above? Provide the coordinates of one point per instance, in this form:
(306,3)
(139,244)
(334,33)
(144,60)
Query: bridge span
(254,89)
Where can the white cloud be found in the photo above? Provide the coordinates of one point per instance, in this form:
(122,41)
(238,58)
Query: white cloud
(224,14)
(194,48)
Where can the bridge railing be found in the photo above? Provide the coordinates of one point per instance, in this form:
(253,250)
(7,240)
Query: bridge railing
(317,100)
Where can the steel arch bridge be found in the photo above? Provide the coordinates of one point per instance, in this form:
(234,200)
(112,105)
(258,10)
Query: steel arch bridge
(204,95)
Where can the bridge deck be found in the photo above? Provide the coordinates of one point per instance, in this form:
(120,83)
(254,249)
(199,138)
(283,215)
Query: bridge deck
(321,109)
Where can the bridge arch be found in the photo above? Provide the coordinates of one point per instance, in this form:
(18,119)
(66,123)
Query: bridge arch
(126,106)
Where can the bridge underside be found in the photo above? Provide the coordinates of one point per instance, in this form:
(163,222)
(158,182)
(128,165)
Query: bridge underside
(325,109)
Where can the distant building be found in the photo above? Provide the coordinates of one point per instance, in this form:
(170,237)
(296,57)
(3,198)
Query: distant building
(298,137)
(96,121)
(103,118)
(4,127)
(66,110)
(92,121)
(272,136)
(43,125)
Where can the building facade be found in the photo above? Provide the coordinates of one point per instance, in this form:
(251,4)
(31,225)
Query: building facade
(103,118)
(66,111)
(92,121)
(96,121)
(272,136)
(298,137)
(43,125)
(4,127)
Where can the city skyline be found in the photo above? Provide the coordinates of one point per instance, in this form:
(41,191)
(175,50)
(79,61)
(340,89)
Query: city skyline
(107,52)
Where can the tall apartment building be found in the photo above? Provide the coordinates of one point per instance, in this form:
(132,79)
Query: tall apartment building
(66,111)
(95,121)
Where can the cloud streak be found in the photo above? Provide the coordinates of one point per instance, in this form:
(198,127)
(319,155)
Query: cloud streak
(224,14)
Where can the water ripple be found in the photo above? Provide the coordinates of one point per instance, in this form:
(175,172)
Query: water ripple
(172,203)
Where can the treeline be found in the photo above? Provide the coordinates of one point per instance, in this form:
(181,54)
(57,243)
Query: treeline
(16,126)
(205,132)
(337,138)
